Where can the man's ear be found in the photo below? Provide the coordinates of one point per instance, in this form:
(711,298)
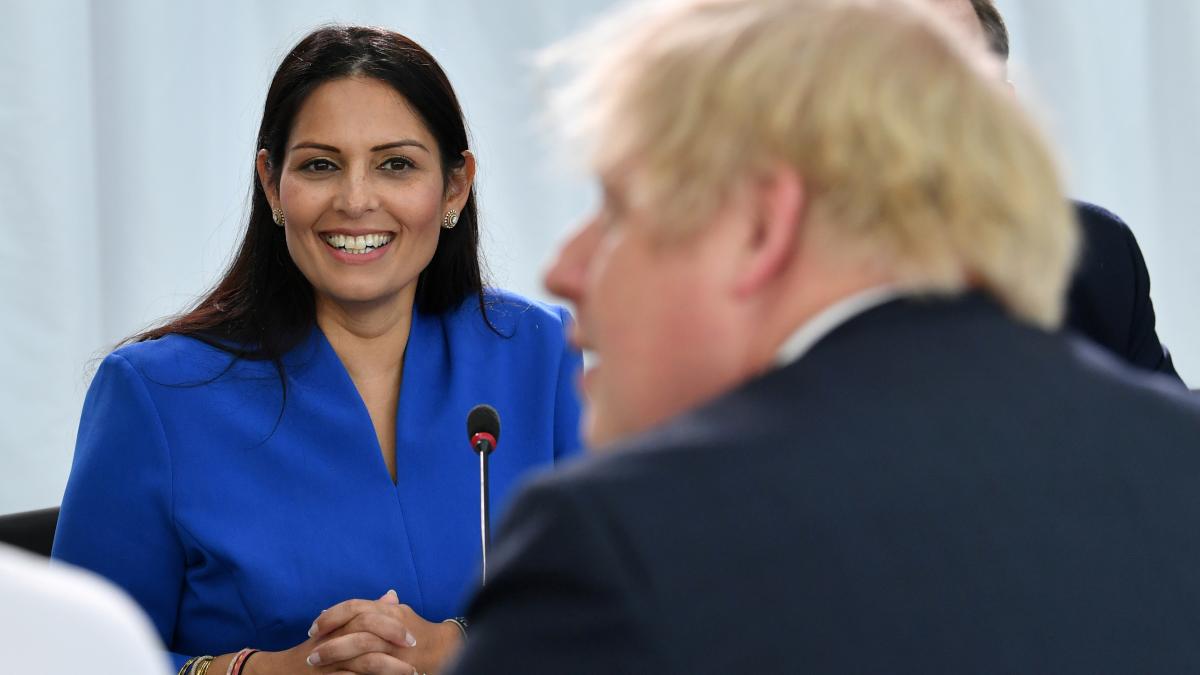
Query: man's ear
(262,166)
(461,180)
(779,203)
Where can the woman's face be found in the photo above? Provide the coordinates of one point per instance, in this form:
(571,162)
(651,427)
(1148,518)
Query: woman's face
(362,191)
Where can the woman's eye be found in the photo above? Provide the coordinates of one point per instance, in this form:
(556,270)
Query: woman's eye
(318,165)
(396,164)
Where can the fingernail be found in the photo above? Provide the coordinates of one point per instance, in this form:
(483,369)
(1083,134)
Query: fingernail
(409,639)
(313,659)
(312,629)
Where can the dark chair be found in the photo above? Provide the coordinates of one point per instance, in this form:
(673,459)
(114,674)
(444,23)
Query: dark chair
(30,530)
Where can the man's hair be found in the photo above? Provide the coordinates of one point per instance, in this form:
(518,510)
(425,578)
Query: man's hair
(993,26)
(911,153)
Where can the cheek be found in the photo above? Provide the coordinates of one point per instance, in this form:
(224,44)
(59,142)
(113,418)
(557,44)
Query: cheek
(302,201)
(417,207)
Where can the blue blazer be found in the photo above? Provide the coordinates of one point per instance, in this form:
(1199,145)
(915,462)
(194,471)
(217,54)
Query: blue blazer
(234,512)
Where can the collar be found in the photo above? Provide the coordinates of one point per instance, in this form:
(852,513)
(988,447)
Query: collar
(824,322)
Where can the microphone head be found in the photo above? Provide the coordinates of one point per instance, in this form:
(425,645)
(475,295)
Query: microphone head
(483,419)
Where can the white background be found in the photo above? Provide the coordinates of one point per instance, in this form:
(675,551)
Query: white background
(126,148)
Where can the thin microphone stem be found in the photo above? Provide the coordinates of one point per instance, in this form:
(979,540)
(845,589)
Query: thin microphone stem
(484,529)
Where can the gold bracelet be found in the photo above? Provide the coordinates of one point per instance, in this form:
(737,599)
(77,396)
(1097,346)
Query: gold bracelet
(186,668)
(203,664)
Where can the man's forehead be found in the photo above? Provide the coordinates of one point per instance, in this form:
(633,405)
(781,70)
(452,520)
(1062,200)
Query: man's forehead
(962,14)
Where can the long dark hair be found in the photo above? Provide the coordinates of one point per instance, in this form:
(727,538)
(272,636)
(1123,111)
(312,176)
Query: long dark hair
(263,306)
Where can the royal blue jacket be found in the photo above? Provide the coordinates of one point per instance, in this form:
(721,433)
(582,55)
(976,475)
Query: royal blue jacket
(234,513)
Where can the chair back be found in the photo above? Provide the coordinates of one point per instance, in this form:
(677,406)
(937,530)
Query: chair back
(30,530)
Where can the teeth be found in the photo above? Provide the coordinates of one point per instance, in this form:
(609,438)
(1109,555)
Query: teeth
(359,244)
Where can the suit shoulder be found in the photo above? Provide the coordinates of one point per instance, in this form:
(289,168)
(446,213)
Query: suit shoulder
(1102,228)
(1096,213)
(1103,373)
(508,316)
(637,465)
(502,305)
(174,358)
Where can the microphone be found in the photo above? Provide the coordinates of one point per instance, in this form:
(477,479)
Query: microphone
(483,430)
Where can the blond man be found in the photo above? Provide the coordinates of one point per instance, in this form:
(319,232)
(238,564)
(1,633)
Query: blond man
(836,431)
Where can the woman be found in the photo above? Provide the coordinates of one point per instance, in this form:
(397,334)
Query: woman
(297,439)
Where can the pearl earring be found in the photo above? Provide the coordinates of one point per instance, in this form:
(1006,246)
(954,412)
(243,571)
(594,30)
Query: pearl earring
(450,219)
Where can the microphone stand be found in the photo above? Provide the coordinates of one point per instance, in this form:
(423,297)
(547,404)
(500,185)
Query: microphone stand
(484,449)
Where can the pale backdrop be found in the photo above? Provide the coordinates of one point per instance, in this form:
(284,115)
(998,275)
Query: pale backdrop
(127,130)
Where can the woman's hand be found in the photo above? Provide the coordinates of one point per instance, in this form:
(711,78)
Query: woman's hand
(368,643)
(357,629)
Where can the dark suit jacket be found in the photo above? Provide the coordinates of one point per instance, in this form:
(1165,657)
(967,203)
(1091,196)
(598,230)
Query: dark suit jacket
(934,488)
(1109,300)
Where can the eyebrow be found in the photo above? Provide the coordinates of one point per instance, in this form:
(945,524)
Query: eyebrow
(385,146)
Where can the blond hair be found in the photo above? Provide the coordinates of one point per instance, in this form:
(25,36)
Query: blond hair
(910,150)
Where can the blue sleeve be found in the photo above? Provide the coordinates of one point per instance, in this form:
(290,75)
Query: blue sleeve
(116,516)
(567,441)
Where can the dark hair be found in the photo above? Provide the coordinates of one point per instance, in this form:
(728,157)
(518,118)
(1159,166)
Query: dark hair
(263,306)
(993,26)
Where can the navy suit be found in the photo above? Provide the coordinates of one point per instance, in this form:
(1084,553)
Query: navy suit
(933,488)
(1109,300)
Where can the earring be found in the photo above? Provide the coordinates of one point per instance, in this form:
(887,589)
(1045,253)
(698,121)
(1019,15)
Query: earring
(450,219)
(277,216)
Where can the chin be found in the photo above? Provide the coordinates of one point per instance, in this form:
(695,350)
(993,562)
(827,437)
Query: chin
(601,432)
(598,435)
(357,294)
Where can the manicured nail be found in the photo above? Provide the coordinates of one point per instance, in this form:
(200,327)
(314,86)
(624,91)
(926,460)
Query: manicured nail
(312,629)
(409,639)
(313,659)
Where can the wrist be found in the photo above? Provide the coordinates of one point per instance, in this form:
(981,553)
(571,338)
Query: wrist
(460,626)
(453,637)
(263,663)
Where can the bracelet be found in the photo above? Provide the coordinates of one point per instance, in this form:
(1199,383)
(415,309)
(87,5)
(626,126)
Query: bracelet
(239,661)
(250,653)
(201,667)
(461,623)
(197,665)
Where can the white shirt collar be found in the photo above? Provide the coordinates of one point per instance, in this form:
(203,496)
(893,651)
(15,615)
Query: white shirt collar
(824,322)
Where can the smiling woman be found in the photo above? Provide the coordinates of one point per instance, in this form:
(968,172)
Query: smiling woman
(360,184)
(293,443)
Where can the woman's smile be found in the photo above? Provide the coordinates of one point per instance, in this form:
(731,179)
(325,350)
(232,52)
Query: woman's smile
(357,249)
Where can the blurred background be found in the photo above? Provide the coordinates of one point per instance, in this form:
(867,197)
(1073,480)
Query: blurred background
(127,144)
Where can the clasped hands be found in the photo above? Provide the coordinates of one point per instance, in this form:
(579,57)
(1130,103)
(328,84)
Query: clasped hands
(370,637)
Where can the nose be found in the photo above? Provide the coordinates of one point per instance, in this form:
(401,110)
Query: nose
(356,196)
(567,276)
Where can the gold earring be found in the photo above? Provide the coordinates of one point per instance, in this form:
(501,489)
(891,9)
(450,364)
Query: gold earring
(450,219)
(277,215)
